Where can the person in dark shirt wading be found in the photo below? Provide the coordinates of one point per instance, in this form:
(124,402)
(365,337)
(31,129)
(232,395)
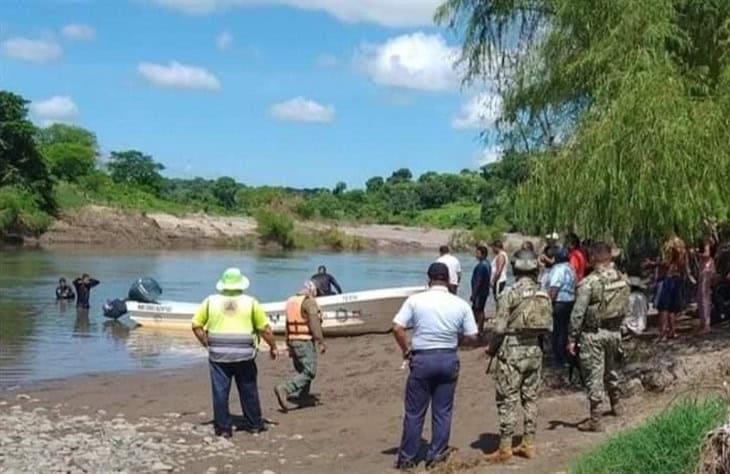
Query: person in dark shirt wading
(63,291)
(83,286)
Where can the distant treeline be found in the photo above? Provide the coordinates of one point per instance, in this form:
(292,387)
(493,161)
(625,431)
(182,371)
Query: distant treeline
(44,171)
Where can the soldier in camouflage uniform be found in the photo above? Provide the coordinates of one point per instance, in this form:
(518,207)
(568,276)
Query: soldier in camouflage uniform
(519,363)
(599,340)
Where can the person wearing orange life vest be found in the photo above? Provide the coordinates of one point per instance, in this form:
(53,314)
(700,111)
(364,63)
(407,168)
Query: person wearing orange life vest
(303,331)
(229,324)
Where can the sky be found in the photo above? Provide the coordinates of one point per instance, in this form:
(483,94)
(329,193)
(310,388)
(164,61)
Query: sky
(301,93)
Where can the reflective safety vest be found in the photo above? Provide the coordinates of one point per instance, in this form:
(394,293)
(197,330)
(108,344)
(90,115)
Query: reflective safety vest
(233,340)
(297,325)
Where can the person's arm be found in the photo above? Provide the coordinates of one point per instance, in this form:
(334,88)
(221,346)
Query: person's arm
(268,335)
(200,319)
(402,320)
(500,324)
(263,329)
(333,280)
(582,300)
(554,284)
(201,335)
(314,313)
(399,332)
(59,293)
(93,282)
(469,330)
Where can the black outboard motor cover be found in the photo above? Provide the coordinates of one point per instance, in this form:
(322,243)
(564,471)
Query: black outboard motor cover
(115,309)
(145,290)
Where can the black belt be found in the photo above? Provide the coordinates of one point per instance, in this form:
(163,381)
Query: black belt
(434,351)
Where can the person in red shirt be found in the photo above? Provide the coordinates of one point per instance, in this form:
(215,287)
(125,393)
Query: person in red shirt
(577,256)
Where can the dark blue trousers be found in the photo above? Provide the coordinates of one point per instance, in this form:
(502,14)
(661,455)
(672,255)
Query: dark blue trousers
(432,381)
(245,374)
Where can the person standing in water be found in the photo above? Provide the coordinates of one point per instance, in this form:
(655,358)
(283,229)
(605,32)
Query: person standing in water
(325,282)
(63,291)
(480,282)
(83,286)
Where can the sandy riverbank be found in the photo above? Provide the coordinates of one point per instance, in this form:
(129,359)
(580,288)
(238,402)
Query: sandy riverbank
(98,225)
(156,420)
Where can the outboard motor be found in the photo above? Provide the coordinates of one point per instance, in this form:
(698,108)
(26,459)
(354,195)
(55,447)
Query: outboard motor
(145,290)
(115,309)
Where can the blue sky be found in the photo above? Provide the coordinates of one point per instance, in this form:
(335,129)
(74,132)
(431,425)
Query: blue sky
(282,92)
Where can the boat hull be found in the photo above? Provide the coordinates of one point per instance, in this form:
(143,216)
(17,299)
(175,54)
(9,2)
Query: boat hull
(348,314)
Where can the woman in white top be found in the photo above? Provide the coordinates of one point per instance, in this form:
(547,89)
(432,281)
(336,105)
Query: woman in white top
(499,268)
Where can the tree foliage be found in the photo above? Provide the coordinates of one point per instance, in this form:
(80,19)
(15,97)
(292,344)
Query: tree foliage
(627,102)
(21,164)
(135,168)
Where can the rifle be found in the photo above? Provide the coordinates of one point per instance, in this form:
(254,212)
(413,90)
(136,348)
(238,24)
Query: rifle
(489,365)
(574,363)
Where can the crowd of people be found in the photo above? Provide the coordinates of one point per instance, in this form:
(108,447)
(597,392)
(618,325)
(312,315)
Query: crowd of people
(571,295)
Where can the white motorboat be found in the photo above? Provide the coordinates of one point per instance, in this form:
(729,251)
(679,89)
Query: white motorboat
(348,314)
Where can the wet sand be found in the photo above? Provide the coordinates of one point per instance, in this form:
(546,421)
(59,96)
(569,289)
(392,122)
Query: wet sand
(356,428)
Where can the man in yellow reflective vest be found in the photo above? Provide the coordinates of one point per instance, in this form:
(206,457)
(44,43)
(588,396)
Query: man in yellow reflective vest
(229,324)
(303,331)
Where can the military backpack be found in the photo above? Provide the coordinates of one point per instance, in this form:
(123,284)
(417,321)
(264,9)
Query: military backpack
(533,314)
(614,296)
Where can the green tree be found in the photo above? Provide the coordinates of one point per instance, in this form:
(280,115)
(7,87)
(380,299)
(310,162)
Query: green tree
(402,175)
(627,105)
(225,189)
(135,168)
(21,163)
(62,133)
(70,161)
(340,188)
(374,184)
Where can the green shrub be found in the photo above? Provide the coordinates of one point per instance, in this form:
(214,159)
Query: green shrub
(275,227)
(465,216)
(668,444)
(20,212)
(335,239)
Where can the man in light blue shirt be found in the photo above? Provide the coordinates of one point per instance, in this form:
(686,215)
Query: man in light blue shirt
(561,287)
(440,321)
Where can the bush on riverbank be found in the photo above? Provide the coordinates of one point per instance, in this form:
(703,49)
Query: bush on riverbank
(20,213)
(669,443)
(275,227)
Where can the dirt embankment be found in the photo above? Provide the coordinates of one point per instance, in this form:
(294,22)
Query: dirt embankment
(98,225)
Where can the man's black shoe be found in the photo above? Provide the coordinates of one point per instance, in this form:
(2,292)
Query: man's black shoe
(224,433)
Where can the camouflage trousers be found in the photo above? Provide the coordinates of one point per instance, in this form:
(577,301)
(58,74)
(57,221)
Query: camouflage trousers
(600,354)
(517,379)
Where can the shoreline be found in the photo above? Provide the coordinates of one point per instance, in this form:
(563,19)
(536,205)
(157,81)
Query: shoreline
(158,420)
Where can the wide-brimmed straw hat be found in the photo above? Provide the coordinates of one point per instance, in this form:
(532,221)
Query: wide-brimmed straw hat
(232,280)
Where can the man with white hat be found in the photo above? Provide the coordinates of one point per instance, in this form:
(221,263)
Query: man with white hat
(229,325)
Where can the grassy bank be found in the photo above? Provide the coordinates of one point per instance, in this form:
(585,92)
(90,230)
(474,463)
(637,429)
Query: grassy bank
(669,443)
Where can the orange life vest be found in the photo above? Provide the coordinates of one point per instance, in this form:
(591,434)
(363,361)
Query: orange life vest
(297,325)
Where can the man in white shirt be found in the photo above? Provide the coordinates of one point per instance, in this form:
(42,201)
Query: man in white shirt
(454,266)
(440,321)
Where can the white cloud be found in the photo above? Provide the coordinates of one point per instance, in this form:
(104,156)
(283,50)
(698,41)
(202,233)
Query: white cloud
(394,13)
(489,155)
(35,51)
(416,61)
(300,109)
(60,108)
(179,76)
(78,32)
(224,41)
(479,112)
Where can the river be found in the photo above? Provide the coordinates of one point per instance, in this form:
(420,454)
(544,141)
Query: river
(41,339)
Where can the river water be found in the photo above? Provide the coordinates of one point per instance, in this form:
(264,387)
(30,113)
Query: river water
(42,339)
